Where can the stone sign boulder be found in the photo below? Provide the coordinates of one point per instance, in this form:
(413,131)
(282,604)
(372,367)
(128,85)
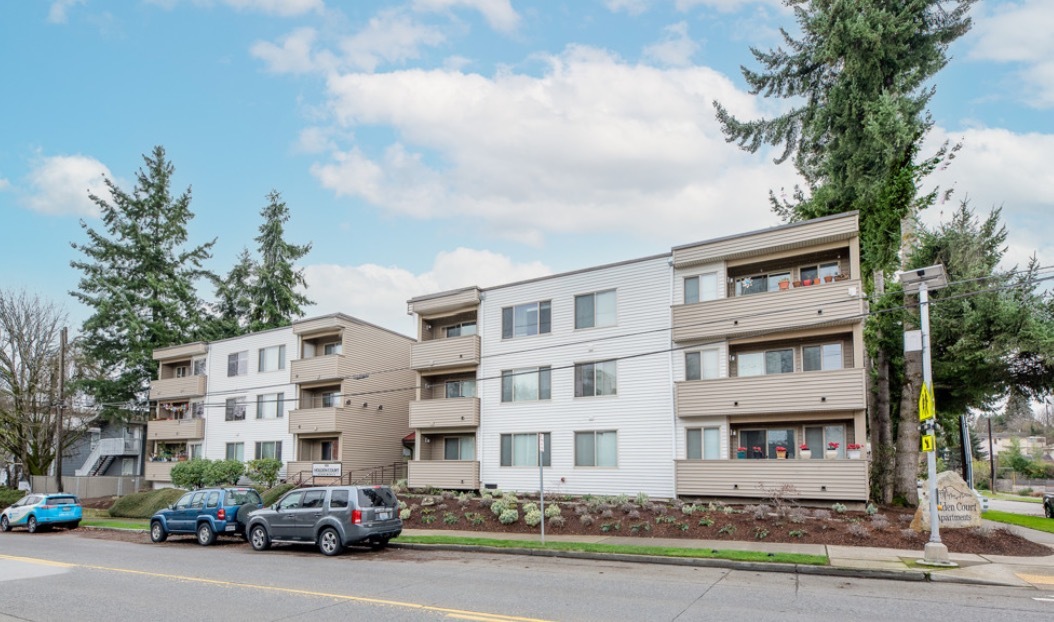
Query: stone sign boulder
(957,505)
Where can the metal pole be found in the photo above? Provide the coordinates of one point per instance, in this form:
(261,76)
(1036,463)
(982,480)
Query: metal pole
(541,480)
(935,551)
(58,434)
(991,454)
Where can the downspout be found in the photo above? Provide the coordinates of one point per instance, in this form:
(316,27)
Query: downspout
(669,374)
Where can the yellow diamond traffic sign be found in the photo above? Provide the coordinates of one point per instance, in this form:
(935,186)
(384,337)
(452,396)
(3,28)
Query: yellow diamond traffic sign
(929,443)
(926,408)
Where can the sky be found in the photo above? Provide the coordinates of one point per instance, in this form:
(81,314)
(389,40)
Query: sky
(427,145)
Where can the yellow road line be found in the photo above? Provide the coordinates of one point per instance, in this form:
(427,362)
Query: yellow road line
(452,613)
(1036,578)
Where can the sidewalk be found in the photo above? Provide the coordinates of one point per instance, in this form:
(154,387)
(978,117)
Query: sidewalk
(849,561)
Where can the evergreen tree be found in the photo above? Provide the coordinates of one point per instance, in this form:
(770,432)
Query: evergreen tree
(138,277)
(275,299)
(233,306)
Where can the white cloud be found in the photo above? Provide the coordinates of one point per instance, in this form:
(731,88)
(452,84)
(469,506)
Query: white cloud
(390,36)
(4,184)
(593,145)
(60,185)
(724,6)
(632,7)
(498,13)
(294,54)
(1020,33)
(57,12)
(676,48)
(284,8)
(378,294)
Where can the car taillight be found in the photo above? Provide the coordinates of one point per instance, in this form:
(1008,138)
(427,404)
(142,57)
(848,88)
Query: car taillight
(356,517)
(222,514)
(48,507)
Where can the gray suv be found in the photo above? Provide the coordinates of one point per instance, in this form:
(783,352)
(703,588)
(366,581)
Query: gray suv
(331,517)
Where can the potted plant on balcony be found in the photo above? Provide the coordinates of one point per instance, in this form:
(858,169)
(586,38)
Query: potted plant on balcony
(758,452)
(841,277)
(804,452)
(741,452)
(797,283)
(832,451)
(785,284)
(828,278)
(781,452)
(854,450)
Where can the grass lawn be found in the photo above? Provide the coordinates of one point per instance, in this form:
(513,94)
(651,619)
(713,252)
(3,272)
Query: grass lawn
(1039,523)
(751,556)
(101,518)
(1005,497)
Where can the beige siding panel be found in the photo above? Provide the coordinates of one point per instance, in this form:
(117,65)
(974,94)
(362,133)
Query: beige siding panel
(838,302)
(443,304)
(326,324)
(445,353)
(158,471)
(175,429)
(776,239)
(318,420)
(844,389)
(445,413)
(198,348)
(448,474)
(831,480)
(320,368)
(178,388)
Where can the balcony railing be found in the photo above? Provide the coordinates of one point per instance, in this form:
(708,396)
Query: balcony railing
(178,388)
(175,429)
(445,353)
(835,480)
(158,471)
(447,474)
(829,303)
(324,419)
(330,367)
(457,412)
(843,389)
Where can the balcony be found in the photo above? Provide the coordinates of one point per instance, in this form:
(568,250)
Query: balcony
(326,419)
(841,390)
(178,388)
(817,305)
(457,412)
(175,429)
(829,480)
(445,353)
(446,474)
(327,368)
(159,471)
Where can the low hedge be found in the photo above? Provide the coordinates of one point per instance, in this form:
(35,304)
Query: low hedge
(9,496)
(271,496)
(144,504)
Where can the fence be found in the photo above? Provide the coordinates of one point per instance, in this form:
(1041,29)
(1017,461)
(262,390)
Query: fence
(89,487)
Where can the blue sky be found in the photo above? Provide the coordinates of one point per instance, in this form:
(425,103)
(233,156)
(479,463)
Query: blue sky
(430,144)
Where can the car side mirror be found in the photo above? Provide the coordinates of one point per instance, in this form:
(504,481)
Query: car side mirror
(274,506)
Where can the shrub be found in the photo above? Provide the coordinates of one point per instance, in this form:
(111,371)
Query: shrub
(533,518)
(871,509)
(557,521)
(645,527)
(442,506)
(662,518)
(144,504)
(615,526)
(190,474)
(404,514)
(822,514)
(607,514)
(447,495)
(529,507)
(399,486)
(706,522)
(264,471)
(760,533)
(858,530)
(9,496)
(552,510)
(450,518)
(761,512)
(641,498)
(509,517)
(633,515)
(581,509)
(909,534)
(797,533)
(272,495)
(878,521)
(620,499)
(428,519)
(687,509)
(475,518)
(586,520)
(729,529)
(224,472)
(661,508)
(628,507)
(499,507)
(682,526)
(402,505)
(838,508)
(797,516)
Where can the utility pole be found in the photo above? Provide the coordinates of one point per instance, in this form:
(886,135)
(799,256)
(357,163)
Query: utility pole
(991,452)
(61,413)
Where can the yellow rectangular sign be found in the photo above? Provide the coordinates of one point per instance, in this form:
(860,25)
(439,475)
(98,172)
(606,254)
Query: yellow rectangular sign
(926,406)
(929,443)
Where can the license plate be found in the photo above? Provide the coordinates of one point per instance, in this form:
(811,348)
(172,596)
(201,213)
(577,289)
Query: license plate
(384,515)
(66,509)
(230,527)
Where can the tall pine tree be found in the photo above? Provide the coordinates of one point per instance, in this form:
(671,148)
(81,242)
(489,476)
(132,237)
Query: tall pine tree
(138,278)
(275,299)
(234,303)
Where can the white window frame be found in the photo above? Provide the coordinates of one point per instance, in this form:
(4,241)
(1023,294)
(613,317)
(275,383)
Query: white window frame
(262,357)
(268,447)
(461,388)
(527,441)
(590,374)
(270,406)
(584,460)
(543,310)
(839,357)
(541,390)
(238,451)
(702,433)
(238,364)
(234,409)
(704,286)
(466,447)
(598,319)
(333,347)
(704,372)
(461,329)
(764,362)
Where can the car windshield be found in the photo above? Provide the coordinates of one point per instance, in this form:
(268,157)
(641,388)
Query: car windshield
(376,497)
(240,496)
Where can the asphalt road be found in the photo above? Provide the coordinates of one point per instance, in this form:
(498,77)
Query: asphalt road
(69,576)
(1016,507)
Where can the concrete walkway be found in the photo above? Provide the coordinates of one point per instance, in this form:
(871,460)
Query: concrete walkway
(851,561)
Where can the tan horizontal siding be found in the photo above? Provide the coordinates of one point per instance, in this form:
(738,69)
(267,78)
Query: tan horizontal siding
(444,304)
(445,353)
(834,480)
(448,474)
(185,351)
(320,368)
(177,388)
(325,324)
(158,471)
(172,429)
(772,240)
(445,413)
(844,389)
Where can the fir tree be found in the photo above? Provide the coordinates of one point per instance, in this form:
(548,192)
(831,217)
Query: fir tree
(138,278)
(275,299)
(233,306)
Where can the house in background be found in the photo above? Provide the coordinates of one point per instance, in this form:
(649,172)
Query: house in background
(176,428)
(106,448)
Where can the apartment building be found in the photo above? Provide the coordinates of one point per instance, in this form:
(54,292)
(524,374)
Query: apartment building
(328,396)
(649,375)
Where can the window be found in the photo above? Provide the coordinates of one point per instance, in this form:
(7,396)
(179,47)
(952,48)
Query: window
(335,347)
(522,449)
(459,448)
(330,399)
(525,320)
(771,362)
(269,449)
(328,450)
(194,452)
(339,498)
(199,367)
(699,288)
(521,385)
(313,499)
(291,501)
(197,409)
(818,437)
(272,359)
(236,451)
(762,444)
(238,364)
(461,330)
(592,310)
(461,388)
(213,499)
(592,379)
(702,365)
(704,443)
(596,449)
(822,358)
(235,410)
(270,406)
(182,371)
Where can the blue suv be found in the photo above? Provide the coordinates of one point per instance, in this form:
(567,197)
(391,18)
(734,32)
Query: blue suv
(36,511)
(207,513)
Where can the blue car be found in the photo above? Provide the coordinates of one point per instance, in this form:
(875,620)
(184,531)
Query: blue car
(35,511)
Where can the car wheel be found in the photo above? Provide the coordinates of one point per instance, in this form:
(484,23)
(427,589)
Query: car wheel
(206,534)
(31,524)
(157,532)
(5,524)
(1049,507)
(242,515)
(259,539)
(329,542)
(377,545)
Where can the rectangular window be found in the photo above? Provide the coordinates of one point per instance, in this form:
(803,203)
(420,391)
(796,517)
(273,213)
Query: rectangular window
(269,449)
(520,385)
(197,409)
(592,379)
(752,285)
(461,330)
(238,364)
(339,498)
(236,451)
(596,449)
(328,450)
(774,280)
(272,358)
(459,448)
(235,410)
(761,363)
(704,443)
(522,449)
(525,320)
(702,365)
(763,444)
(195,451)
(199,367)
(700,288)
(330,399)
(822,358)
(270,406)
(335,347)
(182,371)
(818,438)
(594,310)
(460,388)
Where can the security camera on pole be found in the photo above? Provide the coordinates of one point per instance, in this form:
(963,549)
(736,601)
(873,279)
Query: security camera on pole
(922,281)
